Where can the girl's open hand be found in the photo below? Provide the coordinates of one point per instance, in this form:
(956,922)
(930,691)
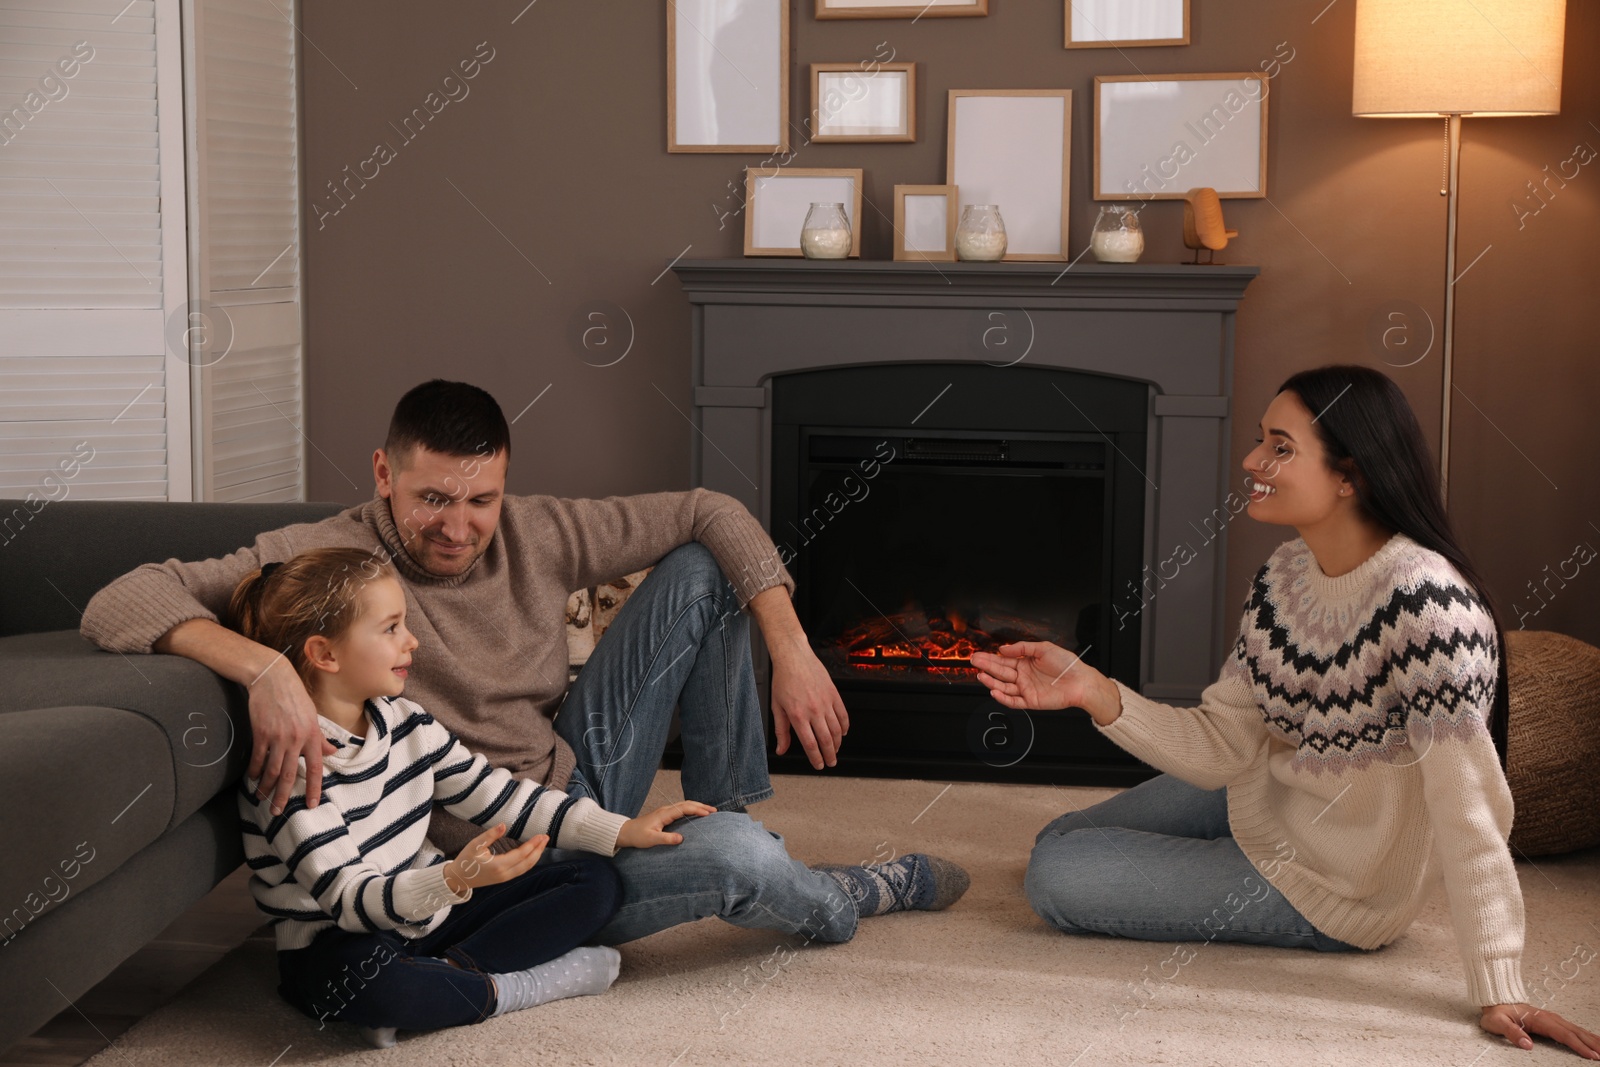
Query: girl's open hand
(477,865)
(646,831)
(1515,1022)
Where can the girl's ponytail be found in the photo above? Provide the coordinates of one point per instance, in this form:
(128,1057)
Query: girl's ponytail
(283,605)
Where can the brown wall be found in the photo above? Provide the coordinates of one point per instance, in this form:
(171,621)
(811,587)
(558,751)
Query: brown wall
(576,206)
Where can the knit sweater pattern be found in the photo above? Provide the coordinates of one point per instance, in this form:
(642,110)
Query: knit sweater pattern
(360,859)
(1350,727)
(491,658)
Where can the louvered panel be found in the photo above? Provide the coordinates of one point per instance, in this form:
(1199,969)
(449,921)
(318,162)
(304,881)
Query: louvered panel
(266,413)
(82,438)
(262,459)
(29,461)
(262,485)
(283,487)
(79,174)
(251,175)
(84,283)
(280,389)
(39,257)
(251,151)
(121,491)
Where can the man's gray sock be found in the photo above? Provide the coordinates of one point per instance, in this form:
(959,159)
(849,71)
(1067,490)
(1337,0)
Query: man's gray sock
(915,882)
(581,972)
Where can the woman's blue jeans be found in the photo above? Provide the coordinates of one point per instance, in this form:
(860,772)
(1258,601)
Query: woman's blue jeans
(682,641)
(383,979)
(1158,862)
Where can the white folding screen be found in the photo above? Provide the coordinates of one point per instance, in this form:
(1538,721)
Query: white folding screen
(151,343)
(245,249)
(94,401)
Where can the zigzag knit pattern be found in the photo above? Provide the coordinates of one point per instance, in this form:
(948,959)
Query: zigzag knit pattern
(1372,666)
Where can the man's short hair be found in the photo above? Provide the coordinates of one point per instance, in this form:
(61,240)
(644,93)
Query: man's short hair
(451,418)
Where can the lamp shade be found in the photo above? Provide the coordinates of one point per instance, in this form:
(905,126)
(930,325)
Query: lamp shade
(1420,58)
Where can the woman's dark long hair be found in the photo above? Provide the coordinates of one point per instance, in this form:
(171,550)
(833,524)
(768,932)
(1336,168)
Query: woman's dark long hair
(1370,433)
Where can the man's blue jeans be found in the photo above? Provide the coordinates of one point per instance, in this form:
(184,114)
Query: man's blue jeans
(1158,862)
(681,640)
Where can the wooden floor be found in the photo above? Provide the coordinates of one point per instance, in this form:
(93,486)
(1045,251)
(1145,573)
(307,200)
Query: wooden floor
(149,978)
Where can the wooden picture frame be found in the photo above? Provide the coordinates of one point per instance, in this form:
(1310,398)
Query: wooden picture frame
(1013,148)
(913,224)
(846,100)
(1155,138)
(900,9)
(728,82)
(776,201)
(1126,23)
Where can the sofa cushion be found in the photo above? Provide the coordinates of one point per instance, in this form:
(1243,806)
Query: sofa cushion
(202,716)
(86,788)
(71,549)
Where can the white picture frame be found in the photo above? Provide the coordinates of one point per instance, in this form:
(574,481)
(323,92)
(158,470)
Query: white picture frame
(1155,138)
(899,9)
(1126,23)
(777,199)
(925,223)
(728,76)
(1013,148)
(852,104)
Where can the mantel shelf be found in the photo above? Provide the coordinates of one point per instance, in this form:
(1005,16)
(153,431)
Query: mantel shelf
(1179,286)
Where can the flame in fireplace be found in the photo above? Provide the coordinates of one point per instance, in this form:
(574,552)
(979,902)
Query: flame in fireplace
(939,642)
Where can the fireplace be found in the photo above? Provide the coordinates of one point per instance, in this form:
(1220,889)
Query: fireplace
(955,456)
(995,518)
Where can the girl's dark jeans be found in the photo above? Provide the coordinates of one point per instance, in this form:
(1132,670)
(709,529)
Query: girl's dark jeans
(383,979)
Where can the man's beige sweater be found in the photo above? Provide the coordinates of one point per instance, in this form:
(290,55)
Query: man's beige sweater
(491,661)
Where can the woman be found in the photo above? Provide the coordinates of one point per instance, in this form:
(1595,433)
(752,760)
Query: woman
(1358,726)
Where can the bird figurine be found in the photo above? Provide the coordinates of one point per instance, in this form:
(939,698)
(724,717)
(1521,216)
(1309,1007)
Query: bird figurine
(1202,223)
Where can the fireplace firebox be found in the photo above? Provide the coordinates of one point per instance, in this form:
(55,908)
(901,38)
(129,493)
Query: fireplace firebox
(955,455)
(1002,515)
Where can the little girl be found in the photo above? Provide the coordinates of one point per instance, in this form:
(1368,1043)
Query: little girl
(374,926)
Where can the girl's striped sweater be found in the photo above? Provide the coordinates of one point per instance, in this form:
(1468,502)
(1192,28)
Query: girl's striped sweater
(1350,727)
(360,859)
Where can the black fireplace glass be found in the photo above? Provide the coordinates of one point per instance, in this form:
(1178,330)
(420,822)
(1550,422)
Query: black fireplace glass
(1011,508)
(917,551)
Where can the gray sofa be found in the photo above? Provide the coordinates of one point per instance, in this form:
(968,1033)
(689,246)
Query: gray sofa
(116,771)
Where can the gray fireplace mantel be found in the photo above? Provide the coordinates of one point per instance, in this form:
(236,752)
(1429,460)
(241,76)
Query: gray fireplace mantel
(1168,326)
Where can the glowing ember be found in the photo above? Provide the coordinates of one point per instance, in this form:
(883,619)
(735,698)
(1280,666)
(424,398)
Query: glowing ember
(936,642)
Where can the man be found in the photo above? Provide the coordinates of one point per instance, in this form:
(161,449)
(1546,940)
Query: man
(487,578)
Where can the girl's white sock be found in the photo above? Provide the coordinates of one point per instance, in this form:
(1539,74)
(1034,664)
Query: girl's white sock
(379,1036)
(581,972)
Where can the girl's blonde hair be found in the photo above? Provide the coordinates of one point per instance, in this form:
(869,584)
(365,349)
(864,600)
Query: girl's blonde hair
(317,593)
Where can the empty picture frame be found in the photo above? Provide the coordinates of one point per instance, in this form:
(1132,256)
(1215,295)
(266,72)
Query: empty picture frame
(727,75)
(852,104)
(1157,138)
(1126,23)
(1013,148)
(925,222)
(899,9)
(776,202)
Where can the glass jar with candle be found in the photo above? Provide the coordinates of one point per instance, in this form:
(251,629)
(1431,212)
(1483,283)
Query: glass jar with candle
(981,233)
(825,233)
(1117,236)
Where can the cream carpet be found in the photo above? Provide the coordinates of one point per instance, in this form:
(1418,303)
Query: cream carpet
(983,983)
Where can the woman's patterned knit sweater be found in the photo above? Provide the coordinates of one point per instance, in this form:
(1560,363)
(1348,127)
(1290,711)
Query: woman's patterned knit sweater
(1350,727)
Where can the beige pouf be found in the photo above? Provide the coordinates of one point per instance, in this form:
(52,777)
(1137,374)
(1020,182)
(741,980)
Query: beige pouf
(1554,743)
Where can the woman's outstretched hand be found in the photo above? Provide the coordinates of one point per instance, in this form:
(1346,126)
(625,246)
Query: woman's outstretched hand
(1040,676)
(648,830)
(1515,1022)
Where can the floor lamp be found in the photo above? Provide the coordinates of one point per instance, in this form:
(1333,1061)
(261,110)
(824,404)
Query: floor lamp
(1453,59)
